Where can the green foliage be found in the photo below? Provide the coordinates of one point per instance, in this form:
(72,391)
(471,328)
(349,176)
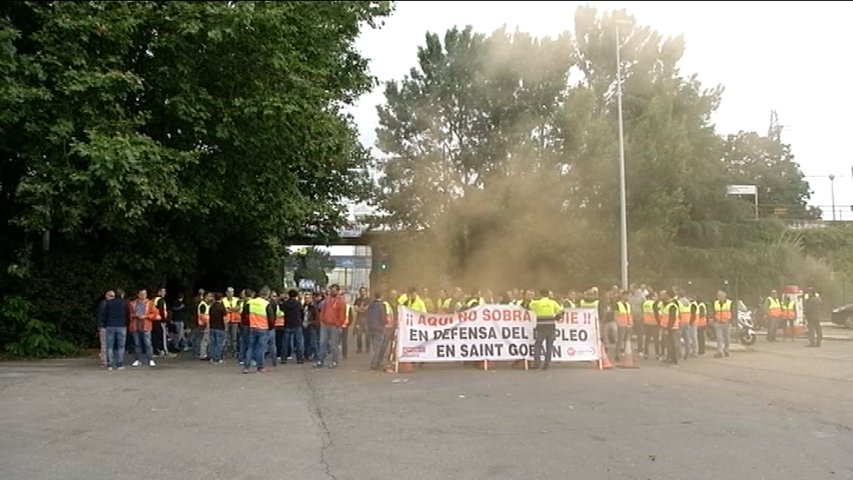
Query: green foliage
(30,337)
(159,141)
(312,264)
(768,163)
(502,149)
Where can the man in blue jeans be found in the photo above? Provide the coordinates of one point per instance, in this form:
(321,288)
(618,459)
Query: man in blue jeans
(333,318)
(259,323)
(244,340)
(293,315)
(113,318)
(217,329)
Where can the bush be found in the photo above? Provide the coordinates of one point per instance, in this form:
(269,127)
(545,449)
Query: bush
(29,337)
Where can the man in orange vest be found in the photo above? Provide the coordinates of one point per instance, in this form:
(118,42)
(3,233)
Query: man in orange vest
(670,314)
(789,315)
(142,315)
(773,313)
(624,323)
(723,315)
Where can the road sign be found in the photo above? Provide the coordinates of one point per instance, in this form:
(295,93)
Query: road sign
(351,261)
(741,190)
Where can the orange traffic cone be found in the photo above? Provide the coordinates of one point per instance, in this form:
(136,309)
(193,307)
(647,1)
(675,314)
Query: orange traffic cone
(605,362)
(628,356)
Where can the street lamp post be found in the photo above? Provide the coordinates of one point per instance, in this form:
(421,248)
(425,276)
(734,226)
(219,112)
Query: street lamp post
(832,193)
(622,201)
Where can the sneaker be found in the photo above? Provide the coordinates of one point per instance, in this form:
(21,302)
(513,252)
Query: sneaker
(240,363)
(220,362)
(110,369)
(263,371)
(136,363)
(278,359)
(120,368)
(151,363)
(333,365)
(245,371)
(318,365)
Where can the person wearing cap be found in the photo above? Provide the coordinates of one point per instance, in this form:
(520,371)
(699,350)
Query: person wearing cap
(547,311)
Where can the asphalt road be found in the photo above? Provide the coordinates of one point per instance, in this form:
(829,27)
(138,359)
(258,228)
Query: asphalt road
(776,411)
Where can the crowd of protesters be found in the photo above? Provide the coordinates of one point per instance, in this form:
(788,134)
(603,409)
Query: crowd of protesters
(256,329)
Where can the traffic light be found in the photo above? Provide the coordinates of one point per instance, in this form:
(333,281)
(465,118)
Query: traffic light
(383,262)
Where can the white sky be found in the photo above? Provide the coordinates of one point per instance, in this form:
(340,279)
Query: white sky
(792,57)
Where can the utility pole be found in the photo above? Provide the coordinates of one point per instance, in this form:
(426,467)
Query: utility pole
(623,216)
(832,193)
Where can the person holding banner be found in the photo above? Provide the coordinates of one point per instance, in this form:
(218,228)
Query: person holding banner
(547,311)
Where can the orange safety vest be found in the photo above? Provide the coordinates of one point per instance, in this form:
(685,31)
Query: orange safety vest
(684,313)
(258,314)
(203,314)
(774,308)
(623,315)
(701,314)
(279,317)
(649,313)
(789,310)
(234,302)
(723,311)
(664,314)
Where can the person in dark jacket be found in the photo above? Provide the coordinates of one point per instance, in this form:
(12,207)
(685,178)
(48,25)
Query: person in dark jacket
(180,317)
(811,310)
(293,315)
(272,312)
(378,318)
(245,295)
(310,326)
(113,318)
(217,314)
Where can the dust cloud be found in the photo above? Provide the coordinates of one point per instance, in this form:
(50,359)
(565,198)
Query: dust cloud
(495,200)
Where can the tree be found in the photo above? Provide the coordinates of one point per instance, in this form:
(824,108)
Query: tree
(767,162)
(311,264)
(507,145)
(171,141)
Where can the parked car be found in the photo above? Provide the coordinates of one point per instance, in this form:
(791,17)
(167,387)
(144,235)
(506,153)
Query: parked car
(843,315)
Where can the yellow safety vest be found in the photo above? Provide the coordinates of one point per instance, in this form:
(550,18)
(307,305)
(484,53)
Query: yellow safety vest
(258,314)
(546,309)
(649,313)
(623,314)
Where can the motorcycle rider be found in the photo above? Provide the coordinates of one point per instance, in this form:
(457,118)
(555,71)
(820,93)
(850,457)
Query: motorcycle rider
(723,314)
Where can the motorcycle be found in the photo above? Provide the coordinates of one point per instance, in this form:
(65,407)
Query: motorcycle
(744,328)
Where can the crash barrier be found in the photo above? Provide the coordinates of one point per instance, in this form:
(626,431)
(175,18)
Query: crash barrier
(492,333)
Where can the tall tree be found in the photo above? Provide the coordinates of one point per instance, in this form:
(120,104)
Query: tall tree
(157,140)
(768,163)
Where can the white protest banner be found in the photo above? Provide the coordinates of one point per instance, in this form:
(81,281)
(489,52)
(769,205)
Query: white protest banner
(488,332)
(577,336)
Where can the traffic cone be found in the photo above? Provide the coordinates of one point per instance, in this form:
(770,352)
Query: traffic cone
(605,362)
(628,356)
